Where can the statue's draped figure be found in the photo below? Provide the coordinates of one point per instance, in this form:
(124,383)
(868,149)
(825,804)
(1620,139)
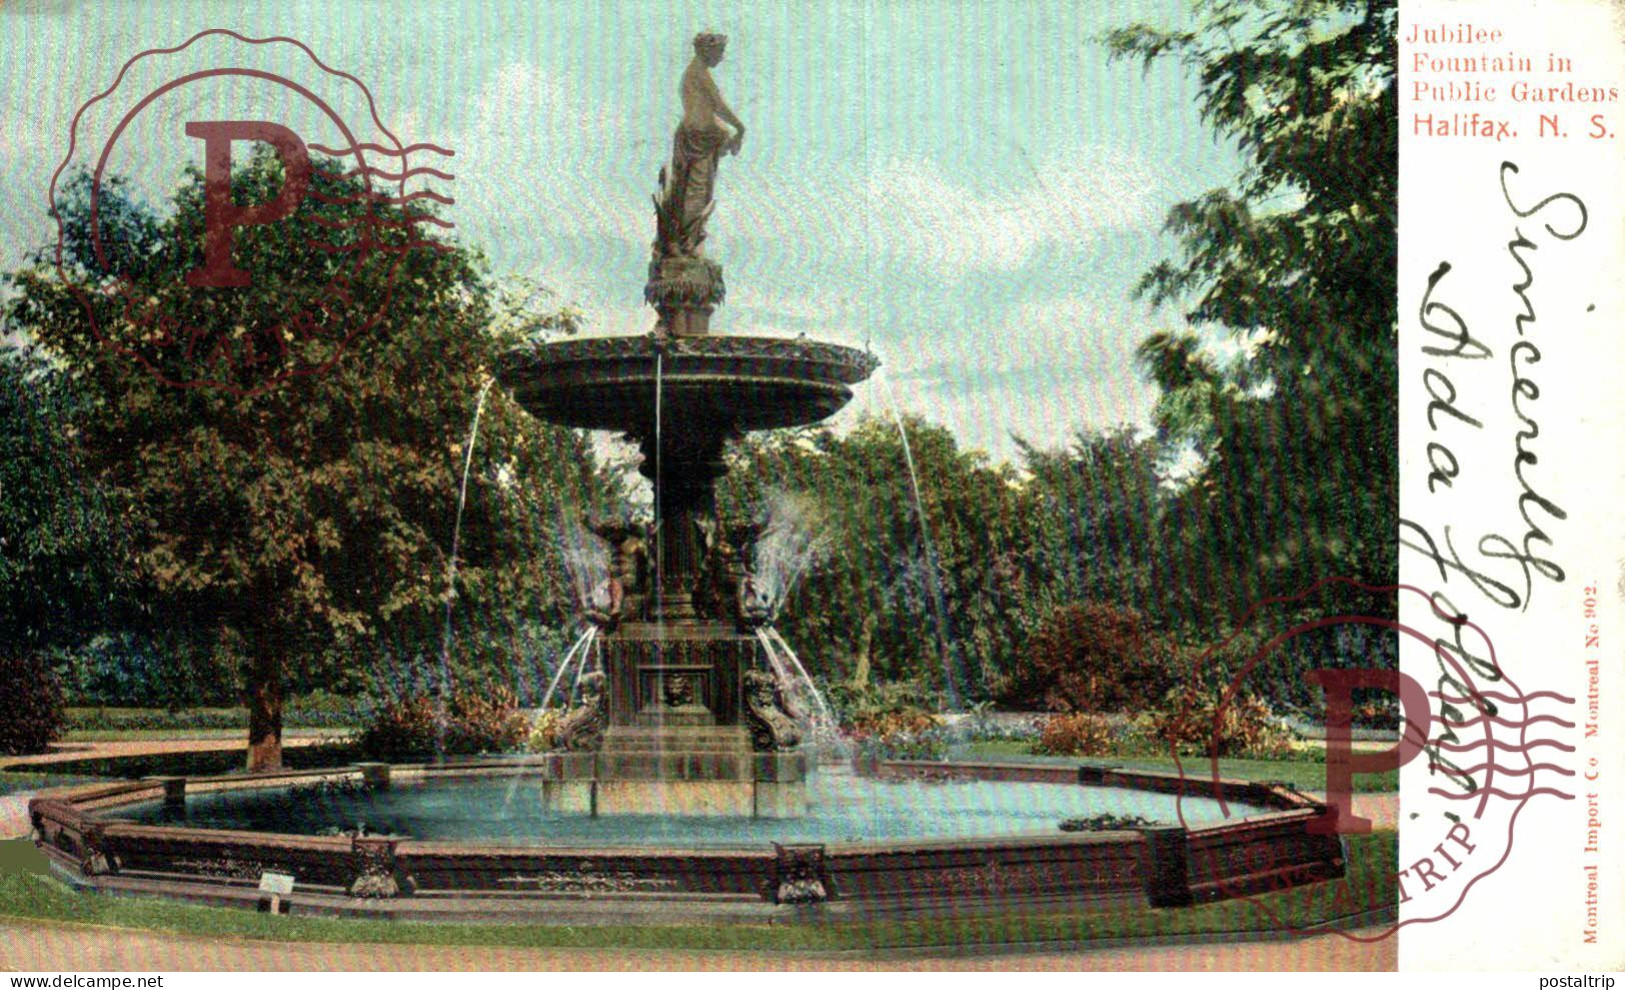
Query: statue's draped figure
(683,284)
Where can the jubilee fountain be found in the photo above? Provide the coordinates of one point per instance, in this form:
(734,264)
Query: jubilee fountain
(683,713)
(686,750)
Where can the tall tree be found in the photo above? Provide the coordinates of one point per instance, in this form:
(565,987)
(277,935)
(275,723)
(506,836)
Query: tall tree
(1097,523)
(1295,264)
(922,585)
(61,533)
(315,517)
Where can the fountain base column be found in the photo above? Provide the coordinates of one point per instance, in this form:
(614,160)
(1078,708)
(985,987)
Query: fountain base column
(715,799)
(697,798)
(678,740)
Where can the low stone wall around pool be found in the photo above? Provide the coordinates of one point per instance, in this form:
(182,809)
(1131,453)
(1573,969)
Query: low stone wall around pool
(1160,866)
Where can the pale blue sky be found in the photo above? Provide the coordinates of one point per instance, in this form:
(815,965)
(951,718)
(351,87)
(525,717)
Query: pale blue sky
(969,188)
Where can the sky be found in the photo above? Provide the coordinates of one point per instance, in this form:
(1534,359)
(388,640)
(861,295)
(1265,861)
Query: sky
(969,189)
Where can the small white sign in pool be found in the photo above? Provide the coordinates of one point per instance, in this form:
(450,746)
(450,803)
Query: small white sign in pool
(280,884)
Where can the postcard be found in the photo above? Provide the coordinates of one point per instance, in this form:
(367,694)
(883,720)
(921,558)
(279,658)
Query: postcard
(844,485)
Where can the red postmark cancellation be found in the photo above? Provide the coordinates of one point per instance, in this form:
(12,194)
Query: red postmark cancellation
(1483,743)
(351,234)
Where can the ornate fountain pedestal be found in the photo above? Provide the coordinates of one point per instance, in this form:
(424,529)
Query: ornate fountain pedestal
(682,731)
(682,714)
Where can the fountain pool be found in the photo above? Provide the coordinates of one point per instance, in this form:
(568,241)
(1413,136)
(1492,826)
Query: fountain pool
(841,808)
(463,841)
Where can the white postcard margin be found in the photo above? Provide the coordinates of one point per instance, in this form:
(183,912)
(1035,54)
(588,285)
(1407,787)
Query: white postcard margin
(1512,171)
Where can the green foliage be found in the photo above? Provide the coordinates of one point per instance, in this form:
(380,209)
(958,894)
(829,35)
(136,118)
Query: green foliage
(1295,265)
(1373,862)
(1096,524)
(891,722)
(303,535)
(485,721)
(1378,713)
(1106,822)
(857,707)
(954,604)
(1087,734)
(1077,734)
(31,699)
(895,599)
(1138,736)
(900,737)
(1204,722)
(99,719)
(1093,657)
(319,711)
(205,762)
(544,730)
(1279,675)
(927,744)
(307,529)
(402,728)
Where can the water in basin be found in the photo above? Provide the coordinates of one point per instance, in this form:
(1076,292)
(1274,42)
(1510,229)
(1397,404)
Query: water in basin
(844,808)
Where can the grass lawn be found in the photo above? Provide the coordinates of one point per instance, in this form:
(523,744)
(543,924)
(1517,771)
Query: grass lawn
(229,735)
(115,724)
(26,893)
(1306,771)
(12,782)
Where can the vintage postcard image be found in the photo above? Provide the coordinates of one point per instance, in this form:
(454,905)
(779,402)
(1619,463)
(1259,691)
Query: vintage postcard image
(852,485)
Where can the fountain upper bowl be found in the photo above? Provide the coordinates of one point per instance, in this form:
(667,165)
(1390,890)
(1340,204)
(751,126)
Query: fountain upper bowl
(745,383)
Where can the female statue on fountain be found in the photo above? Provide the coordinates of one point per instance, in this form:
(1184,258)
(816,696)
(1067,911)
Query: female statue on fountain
(684,285)
(702,140)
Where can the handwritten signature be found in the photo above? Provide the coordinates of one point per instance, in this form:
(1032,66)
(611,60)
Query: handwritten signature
(1564,217)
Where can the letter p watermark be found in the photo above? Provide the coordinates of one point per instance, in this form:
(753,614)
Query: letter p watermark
(203,323)
(1342,763)
(221,215)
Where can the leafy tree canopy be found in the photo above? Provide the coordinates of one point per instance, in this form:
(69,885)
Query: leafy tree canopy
(1295,264)
(61,534)
(313,519)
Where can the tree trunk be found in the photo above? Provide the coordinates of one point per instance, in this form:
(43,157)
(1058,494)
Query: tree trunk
(860,665)
(264,697)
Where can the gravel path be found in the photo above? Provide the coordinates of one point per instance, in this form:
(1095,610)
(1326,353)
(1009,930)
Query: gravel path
(67,752)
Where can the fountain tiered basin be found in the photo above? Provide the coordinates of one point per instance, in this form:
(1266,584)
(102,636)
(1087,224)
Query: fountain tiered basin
(743,383)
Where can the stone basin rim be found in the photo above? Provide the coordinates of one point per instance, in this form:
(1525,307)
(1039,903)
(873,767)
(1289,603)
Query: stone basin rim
(833,362)
(396,877)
